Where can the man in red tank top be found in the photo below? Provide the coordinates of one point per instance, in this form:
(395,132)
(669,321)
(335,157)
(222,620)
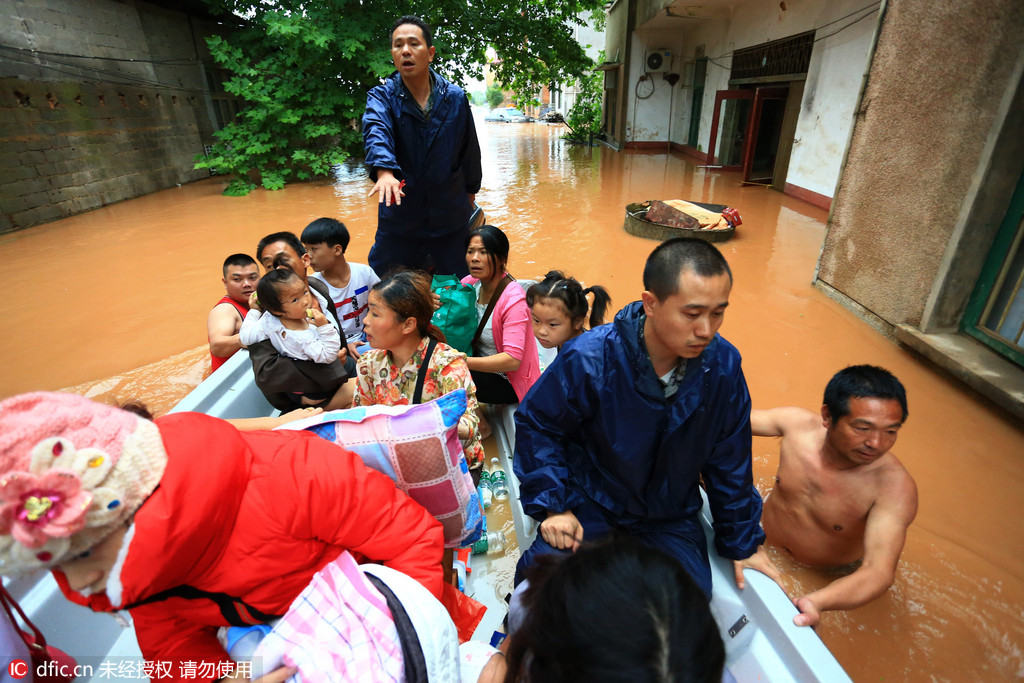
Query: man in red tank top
(241,273)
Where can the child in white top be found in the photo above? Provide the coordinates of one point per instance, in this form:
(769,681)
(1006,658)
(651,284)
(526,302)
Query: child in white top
(287,320)
(294,327)
(349,283)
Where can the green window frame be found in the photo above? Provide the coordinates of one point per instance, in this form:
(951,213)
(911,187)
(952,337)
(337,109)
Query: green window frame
(995,311)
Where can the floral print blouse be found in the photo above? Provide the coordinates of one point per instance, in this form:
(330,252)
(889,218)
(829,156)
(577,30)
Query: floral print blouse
(379,382)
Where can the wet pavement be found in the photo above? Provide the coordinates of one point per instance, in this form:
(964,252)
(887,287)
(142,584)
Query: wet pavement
(113,303)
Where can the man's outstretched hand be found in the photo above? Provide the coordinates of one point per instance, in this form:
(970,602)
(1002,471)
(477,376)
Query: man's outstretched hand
(759,561)
(388,188)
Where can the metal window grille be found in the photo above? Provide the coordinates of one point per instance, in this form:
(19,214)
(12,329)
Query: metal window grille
(776,58)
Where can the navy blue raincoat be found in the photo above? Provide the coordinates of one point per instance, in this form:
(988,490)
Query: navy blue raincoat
(597,435)
(438,157)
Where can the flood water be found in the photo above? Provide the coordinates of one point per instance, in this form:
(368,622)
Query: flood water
(113,304)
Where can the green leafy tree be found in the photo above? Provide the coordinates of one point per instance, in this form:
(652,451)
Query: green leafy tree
(584,118)
(494,96)
(302,70)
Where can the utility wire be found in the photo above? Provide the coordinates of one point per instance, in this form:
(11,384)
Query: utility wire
(183,61)
(109,76)
(130,78)
(843,28)
(873,7)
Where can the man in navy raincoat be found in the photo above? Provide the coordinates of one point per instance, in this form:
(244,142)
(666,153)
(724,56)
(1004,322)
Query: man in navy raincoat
(424,158)
(618,432)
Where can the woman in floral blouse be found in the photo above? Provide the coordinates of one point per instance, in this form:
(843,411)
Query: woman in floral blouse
(398,328)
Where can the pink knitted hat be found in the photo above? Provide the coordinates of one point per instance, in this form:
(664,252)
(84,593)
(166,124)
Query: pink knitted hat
(71,471)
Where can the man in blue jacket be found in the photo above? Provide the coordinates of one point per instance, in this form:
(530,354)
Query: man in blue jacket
(424,158)
(618,432)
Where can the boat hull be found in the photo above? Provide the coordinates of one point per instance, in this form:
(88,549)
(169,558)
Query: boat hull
(761,641)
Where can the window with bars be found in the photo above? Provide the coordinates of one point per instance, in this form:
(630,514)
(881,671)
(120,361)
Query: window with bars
(786,56)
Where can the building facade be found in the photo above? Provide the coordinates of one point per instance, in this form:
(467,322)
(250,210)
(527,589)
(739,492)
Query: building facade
(926,239)
(763,87)
(902,117)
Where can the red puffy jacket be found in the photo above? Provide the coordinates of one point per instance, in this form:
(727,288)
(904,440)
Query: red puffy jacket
(240,523)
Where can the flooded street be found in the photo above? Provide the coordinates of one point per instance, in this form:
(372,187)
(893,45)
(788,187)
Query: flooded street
(133,283)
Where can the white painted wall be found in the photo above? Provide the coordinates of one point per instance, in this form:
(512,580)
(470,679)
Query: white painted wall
(830,93)
(827,109)
(648,119)
(592,42)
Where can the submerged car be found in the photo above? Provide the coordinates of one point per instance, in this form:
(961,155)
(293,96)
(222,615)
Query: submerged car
(508,115)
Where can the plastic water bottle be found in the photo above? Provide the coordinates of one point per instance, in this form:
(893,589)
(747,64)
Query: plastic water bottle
(242,641)
(499,485)
(492,543)
(484,489)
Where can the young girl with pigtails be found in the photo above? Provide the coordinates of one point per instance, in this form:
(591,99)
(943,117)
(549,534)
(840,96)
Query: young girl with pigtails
(559,307)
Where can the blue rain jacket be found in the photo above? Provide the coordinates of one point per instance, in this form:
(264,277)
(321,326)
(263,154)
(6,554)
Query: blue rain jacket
(596,428)
(437,157)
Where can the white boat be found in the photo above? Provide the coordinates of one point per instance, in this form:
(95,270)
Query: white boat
(756,624)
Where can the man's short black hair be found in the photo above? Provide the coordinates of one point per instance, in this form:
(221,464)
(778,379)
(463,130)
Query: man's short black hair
(238,260)
(862,381)
(415,21)
(328,231)
(287,237)
(670,258)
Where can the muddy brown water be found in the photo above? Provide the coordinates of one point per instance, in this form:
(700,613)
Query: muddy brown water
(113,304)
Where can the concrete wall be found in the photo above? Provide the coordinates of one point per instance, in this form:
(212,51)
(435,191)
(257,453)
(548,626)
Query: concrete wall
(940,93)
(83,132)
(833,80)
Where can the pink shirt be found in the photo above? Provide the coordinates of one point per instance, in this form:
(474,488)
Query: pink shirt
(513,334)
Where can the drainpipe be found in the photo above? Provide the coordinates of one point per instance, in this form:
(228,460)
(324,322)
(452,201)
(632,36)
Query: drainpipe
(849,140)
(672,80)
(628,62)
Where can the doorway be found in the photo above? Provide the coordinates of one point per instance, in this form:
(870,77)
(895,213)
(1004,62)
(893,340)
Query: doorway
(761,151)
(752,131)
(729,128)
(700,70)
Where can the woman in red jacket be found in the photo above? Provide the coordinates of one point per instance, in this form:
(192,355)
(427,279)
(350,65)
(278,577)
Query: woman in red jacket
(189,523)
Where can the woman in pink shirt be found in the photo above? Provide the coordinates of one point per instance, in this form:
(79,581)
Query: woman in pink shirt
(504,363)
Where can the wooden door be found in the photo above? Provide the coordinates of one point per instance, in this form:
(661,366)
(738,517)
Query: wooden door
(729,128)
(762,144)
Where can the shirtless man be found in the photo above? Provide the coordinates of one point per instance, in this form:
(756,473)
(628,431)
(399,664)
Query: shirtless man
(240,275)
(840,496)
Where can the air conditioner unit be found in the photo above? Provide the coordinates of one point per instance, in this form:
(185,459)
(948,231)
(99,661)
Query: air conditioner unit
(658,61)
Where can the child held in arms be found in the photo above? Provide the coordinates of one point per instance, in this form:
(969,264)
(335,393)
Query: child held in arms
(283,313)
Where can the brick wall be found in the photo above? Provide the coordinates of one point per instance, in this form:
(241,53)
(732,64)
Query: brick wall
(99,102)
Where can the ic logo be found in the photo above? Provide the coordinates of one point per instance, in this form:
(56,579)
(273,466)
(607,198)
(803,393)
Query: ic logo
(18,668)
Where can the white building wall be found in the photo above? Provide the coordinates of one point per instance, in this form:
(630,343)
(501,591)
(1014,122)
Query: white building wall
(647,120)
(827,109)
(592,42)
(830,92)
